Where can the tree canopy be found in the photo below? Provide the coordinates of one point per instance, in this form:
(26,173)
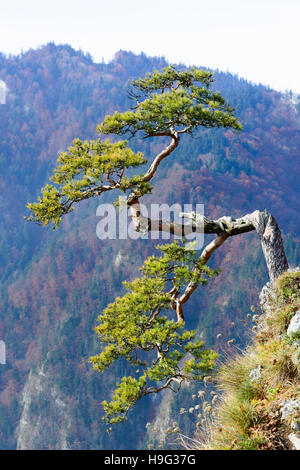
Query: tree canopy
(168,103)
(140,326)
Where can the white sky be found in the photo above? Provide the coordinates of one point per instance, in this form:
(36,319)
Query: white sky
(257,39)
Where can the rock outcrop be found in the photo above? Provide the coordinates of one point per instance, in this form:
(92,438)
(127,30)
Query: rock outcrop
(260,408)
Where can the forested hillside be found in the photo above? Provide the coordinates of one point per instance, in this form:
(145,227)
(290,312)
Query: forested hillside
(55,283)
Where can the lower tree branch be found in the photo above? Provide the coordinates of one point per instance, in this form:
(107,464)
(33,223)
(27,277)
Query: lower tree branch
(192,286)
(212,246)
(262,221)
(176,378)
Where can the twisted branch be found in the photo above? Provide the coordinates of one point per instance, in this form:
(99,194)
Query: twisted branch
(224,227)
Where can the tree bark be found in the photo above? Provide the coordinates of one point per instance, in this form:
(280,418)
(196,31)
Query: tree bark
(224,227)
(262,221)
(271,241)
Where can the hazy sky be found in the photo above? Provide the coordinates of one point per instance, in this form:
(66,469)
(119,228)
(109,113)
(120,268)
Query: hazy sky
(257,39)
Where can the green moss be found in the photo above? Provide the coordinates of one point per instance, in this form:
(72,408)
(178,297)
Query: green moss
(288,286)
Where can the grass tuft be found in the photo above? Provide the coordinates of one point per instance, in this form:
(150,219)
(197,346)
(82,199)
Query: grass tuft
(248,415)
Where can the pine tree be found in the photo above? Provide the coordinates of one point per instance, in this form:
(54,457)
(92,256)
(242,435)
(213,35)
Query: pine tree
(146,326)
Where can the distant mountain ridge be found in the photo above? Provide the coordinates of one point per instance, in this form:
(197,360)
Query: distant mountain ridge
(53,284)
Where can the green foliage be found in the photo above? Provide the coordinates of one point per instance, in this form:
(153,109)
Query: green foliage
(288,286)
(172,100)
(166,102)
(124,397)
(138,327)
(87,169)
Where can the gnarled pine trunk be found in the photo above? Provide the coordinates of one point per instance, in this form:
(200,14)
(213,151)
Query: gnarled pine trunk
(262,221)
(271,242)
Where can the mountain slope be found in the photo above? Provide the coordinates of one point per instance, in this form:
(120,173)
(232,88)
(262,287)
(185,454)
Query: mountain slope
(54,284)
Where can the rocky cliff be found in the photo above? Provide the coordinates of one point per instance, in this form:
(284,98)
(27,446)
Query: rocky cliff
(259,408)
